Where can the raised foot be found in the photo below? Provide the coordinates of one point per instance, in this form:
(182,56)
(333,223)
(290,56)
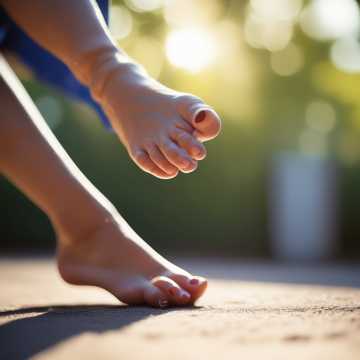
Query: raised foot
(163,130)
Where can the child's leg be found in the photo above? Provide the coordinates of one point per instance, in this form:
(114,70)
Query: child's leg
(162,129)
(95,245)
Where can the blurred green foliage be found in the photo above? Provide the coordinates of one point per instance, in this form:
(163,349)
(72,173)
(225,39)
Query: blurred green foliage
(223,207)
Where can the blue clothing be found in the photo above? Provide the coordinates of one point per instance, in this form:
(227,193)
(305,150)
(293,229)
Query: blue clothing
(45,66)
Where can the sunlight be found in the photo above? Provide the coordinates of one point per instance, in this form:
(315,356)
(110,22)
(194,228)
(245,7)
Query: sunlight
(144,5)
(120,22)
(191,49)
(328,20)
(345,55)
(276,10)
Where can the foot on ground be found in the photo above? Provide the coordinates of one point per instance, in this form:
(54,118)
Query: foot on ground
(112,256)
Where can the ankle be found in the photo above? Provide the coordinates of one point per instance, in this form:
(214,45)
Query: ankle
(76,227)
(89,59)
(112,65)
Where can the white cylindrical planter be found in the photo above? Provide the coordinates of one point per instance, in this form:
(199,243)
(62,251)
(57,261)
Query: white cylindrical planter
(302,207)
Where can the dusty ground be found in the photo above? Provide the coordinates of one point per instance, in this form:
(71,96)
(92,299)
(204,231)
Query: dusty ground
(251,311)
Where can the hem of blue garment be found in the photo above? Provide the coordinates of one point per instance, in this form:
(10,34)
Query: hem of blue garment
(46,67)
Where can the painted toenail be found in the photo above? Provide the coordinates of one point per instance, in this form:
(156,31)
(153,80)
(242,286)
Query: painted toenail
(163,303)
(185,295)
(194,282)
(200,116)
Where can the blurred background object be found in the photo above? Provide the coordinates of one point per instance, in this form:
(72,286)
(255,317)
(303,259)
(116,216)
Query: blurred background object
(285,77)
(303,211)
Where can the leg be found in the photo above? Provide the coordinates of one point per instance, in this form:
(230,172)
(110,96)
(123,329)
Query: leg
(95,244)
(162,129)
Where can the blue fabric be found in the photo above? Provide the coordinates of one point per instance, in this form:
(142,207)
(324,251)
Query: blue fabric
(46,67)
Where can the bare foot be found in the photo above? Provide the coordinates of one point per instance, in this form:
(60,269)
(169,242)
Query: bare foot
(162,129)
(112,256)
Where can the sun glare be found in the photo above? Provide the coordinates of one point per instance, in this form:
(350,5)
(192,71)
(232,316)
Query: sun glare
(191,49)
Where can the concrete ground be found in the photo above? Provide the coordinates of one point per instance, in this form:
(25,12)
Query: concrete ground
(251,311)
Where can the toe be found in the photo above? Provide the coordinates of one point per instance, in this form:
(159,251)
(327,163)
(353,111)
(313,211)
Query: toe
(159,159)
(195,285)
(201,116)
(178,156)
(155,297)
(188,142)
(143,160)
(175,293)
(207,124)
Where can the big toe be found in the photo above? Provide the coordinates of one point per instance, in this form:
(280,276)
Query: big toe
(194,285)
(202,117)
(207,124)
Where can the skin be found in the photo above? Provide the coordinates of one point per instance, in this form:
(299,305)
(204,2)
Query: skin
(95,246)
(162,130)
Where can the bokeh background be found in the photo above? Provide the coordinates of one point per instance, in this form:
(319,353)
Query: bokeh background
(285,77)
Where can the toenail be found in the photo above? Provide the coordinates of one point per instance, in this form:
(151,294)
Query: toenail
(200,116)
(185,295)
(188,168)
(192,165)
(198,152)
(194,282)
(163,303)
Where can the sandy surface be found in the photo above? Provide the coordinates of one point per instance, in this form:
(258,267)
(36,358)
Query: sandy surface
(251,311)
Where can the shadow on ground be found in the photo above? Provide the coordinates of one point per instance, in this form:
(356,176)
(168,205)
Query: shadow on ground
(25,337)
(28,331)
